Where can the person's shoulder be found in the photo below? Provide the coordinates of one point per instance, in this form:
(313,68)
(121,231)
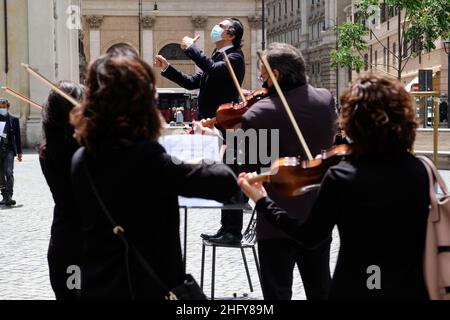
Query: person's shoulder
(14,118)
(262,108)
(78,158)
(343,171)
(320,92)
(150,150)
(235,53)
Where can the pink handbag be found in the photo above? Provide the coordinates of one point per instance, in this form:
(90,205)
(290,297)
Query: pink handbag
(437,246)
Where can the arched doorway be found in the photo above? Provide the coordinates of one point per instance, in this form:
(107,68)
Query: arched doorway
(173,98)
(173,51)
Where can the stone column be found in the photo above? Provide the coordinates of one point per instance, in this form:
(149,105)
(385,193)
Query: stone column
(199,23)
(147,23)
(41,46)
(255,23)
(94,23)
(68,24)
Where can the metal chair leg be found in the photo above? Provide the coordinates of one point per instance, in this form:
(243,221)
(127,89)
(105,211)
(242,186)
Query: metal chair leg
(257,264)
(246,270)
(213,272)
(203,267)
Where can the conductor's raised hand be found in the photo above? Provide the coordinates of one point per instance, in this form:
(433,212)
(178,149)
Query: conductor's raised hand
(161,62)
(188,41)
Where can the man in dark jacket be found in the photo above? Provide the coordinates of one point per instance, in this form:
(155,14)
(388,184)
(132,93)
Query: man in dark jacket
(214,80)
(216,88)
(314,111)
(10,147)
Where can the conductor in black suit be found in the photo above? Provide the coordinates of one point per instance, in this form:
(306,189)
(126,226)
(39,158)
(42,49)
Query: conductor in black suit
(216,88)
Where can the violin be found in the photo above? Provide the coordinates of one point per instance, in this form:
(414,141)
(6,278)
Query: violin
(291,177)
(228,115)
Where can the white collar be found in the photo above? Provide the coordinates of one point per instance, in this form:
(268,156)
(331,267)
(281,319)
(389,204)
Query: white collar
(225,48)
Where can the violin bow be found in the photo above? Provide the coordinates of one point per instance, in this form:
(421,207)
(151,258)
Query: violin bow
(233,76)
(286,105)
(21,97)
(43,79)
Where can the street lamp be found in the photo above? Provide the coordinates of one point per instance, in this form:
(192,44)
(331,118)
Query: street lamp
(336,32)
(447,51)
(155,8)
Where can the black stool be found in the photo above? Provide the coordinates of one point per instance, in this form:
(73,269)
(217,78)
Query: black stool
(248,241)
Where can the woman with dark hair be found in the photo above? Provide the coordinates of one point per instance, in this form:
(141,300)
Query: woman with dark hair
(378,199)
(138,182)
(55,157)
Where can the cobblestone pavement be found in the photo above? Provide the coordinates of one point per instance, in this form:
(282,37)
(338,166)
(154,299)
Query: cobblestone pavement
(24,236)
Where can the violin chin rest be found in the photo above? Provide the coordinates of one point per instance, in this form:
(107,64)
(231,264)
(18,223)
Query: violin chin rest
(304,190)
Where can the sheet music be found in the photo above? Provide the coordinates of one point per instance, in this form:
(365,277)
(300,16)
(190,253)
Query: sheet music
(192,148)
(2,129)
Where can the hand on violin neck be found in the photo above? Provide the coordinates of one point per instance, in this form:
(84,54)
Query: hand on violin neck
(255,191)
(186,42)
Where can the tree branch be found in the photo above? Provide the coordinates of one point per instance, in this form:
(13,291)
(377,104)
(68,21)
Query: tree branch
(406,62)
(389,50)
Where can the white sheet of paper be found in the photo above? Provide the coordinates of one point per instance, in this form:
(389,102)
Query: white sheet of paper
(192,147)
(198,203)
(2,129)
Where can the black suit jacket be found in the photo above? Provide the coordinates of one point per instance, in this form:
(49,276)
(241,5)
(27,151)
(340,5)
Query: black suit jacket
(14,133)
(140,185)
(380,204)
(315,114)
(214,80)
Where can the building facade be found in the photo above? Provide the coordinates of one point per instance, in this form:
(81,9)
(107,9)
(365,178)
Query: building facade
(384,55)
(107,23)
(383,52)
(44,34)
(309,25)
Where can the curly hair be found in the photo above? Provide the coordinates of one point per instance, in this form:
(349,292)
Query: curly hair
(120,106)
(378,115)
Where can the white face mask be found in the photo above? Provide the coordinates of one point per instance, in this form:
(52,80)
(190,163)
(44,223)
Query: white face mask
(3,112)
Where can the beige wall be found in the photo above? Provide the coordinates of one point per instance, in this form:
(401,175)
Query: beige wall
(17,77)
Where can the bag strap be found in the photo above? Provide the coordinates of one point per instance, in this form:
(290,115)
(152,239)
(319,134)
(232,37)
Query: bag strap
(437,176)
(120,232)
(434,178)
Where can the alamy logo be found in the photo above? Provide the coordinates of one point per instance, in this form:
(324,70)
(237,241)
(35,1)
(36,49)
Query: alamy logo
(374,280)
(74,280)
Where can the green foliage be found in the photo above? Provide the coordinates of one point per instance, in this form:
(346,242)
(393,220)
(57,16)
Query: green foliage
(425,22)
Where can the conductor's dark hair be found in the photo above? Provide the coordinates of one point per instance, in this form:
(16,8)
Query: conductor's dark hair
(237,30)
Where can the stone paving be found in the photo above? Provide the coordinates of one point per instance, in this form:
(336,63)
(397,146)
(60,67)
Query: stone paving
(24,236)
